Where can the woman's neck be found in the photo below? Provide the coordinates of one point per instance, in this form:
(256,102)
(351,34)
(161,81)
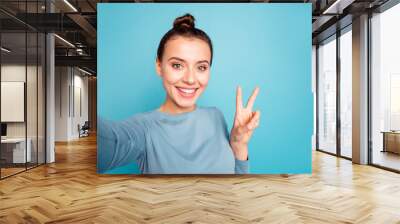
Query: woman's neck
(171,107)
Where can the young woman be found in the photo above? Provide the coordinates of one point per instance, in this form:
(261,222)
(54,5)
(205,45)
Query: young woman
(179,136)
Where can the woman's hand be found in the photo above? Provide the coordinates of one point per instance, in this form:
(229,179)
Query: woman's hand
(244,124)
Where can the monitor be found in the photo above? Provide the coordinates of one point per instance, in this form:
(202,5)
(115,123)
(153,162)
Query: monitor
(3,129)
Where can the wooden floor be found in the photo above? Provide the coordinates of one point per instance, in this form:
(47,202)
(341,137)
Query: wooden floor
(387,159)
(5,172)
(70,191)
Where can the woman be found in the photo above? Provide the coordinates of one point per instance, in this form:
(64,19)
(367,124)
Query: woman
(180,137)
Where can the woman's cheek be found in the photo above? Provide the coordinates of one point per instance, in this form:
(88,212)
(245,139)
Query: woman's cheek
(173,77)
(203,79)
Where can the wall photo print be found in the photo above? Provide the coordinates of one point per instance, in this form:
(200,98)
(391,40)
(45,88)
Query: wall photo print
(204,88)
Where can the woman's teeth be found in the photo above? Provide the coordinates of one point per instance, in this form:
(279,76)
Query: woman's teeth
(189,91)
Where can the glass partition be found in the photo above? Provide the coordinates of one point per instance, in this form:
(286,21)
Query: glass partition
(13,108)
(327,95)
(346,93)
(385,89)
(22,78)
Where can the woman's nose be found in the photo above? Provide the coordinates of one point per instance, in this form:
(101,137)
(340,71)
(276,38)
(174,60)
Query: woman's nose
(189,77)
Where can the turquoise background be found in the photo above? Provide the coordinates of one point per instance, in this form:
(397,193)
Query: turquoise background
(268,45)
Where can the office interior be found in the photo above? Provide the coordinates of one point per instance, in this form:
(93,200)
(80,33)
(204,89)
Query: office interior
(46,81)
(48,96)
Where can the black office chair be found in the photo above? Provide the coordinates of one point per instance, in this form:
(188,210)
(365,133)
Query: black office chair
(84,130)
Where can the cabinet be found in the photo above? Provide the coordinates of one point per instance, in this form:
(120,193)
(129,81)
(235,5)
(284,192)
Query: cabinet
(391,142)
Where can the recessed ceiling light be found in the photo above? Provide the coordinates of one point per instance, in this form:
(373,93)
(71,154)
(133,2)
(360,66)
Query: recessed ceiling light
(65,41)
(5,50)
(338,6)
(70,5)
(84,71)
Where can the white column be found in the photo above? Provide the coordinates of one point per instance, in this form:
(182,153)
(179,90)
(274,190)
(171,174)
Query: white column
(50,93)
(360,90)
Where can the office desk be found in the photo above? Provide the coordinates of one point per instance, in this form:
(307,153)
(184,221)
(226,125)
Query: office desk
(16,147)
(391,141)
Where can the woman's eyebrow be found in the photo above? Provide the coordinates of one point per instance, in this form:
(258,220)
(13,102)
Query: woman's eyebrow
(203,61)
(179,59)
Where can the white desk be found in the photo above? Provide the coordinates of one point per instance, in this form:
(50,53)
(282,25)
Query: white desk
(19,149)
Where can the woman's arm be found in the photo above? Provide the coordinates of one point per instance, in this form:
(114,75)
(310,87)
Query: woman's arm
(119,143)
(246,121)
(241,166)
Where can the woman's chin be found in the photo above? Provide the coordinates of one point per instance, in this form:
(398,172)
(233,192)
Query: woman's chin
(186,102)
(186,106)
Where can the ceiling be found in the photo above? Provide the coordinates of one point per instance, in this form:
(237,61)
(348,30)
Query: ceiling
(76,22)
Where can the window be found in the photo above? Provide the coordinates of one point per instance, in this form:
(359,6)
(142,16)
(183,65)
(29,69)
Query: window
(327,95)
(346,92)
(385,88)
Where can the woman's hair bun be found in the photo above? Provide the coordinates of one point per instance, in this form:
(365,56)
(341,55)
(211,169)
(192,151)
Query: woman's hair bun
(185,21)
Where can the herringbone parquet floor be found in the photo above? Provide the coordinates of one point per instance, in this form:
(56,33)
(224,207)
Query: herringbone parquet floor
(70,191)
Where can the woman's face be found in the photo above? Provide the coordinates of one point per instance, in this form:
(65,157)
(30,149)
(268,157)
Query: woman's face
(185,70)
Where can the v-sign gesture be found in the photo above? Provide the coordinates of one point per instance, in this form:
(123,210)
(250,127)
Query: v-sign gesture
(246,120)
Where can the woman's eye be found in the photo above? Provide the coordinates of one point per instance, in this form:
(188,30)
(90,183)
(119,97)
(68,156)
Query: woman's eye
(202,68)
(176,66)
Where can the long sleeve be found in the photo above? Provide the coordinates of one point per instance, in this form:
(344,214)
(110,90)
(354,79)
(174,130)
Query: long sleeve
(120,143)
(241,166)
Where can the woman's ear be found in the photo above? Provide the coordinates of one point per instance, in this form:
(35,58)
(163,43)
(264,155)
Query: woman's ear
(158,67)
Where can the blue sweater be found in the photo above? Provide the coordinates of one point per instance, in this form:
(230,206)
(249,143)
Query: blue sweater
(195,142)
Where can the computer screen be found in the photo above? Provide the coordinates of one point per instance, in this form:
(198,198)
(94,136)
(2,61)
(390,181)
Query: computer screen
(3,129)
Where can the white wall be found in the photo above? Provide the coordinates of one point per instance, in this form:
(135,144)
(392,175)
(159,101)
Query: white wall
(70,83)
(62,81)
(15,72)
(9,73)
(33,127)
(80,89)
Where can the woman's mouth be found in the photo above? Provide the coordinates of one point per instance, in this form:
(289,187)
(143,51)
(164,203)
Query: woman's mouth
(186,92)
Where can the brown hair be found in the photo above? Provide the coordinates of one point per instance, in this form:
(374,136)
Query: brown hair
(184,26)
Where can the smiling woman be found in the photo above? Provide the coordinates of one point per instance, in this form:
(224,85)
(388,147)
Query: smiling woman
(183,59)
(179,136)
